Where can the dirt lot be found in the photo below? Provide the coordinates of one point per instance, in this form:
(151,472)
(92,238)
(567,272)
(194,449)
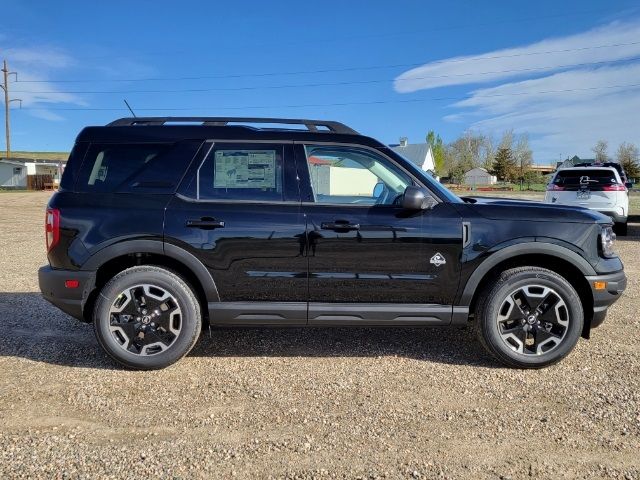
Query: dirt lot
(341,403)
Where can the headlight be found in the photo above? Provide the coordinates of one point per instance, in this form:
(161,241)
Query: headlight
(607,239)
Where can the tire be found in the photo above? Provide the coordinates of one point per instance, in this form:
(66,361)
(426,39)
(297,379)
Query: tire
(621,229)
(544,338)
(147,318)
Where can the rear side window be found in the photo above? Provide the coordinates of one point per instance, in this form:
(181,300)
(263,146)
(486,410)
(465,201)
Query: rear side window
(135,167)
(585,177)
(240,172)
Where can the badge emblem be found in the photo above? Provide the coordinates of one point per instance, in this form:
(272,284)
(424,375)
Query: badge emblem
(438,259)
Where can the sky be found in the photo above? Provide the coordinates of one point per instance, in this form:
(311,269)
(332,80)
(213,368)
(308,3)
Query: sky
(566,73)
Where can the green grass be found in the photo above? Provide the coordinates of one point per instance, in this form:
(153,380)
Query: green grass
(55,156)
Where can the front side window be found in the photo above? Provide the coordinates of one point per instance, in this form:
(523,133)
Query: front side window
(350,175)
(241,172)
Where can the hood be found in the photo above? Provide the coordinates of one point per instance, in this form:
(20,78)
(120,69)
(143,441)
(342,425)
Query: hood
(507,209)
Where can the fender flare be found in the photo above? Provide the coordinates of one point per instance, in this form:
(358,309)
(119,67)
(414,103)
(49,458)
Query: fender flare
(159,248)
(527,248)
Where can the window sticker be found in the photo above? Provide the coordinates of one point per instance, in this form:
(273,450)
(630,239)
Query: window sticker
(245,169)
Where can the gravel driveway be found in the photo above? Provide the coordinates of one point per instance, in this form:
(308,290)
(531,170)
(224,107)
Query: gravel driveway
(293,403)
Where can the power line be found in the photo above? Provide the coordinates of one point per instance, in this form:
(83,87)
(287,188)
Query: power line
(328,84)
(630,87)
(331,70)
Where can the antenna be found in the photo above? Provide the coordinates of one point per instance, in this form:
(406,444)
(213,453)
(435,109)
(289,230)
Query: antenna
(129,107)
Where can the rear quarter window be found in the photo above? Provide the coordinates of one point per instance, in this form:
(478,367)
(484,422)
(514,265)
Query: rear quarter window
(135,167)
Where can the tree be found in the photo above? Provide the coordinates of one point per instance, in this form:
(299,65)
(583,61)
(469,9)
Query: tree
(629,157)
(504,166)
(438,151)
(488,153)
(600,150)
(456,173)
(522,155)
(532,177)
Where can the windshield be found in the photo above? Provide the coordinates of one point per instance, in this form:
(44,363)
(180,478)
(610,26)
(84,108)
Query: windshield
(440,190)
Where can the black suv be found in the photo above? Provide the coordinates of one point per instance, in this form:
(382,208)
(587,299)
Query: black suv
(163,225)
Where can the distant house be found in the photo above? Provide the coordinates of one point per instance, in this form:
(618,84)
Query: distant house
(12,174)
(418,153)
(575,160)
(32,173)
(479,176)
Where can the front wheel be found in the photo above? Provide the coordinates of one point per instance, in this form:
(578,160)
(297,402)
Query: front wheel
(529,317)
(147,318)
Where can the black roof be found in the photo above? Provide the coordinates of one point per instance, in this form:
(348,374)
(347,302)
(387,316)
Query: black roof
(147,129)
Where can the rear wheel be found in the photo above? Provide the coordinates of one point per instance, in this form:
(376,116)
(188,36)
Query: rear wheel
(621,228)
(529,317)
(147,318)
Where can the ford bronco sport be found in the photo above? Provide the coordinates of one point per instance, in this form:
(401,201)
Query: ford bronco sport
(164,225)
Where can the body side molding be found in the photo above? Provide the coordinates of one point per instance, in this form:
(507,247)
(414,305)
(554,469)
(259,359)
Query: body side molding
(382,314)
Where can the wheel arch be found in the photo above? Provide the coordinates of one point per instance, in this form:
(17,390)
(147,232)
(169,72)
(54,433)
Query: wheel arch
(560,260)
(118,257)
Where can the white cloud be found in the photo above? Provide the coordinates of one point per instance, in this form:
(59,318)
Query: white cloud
(500,64)
(39,57)
(596,104)
(35,65)
(564,109)
(46,114)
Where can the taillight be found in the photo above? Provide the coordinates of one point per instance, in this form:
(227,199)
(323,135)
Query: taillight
(52,227)
(616,187)
(552,187)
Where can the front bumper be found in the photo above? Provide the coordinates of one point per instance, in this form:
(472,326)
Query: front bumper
(603,299)
(69,300)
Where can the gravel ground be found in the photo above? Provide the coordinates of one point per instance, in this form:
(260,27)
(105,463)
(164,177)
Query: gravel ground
(293,403)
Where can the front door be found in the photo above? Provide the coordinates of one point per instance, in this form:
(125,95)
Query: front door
(238,212)
(371,260)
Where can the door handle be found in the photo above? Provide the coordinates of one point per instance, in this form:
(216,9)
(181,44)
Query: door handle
(340,225)
(205,223)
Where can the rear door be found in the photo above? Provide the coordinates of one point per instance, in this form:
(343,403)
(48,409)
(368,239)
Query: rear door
(370,260)
(238,211)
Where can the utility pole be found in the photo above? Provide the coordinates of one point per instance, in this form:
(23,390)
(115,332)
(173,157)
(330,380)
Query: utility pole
(7,101)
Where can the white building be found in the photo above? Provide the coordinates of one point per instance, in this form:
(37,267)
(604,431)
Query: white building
(417,153)
(479,176)
(12,174)
(18,172)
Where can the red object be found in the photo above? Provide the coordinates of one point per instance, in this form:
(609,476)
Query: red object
(319,161)
(617,187)
(71,283)
(552,187)
(52,227)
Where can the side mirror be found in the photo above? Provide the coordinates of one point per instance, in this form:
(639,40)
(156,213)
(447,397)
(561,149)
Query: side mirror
(378,190)
(629,185)
(416,198)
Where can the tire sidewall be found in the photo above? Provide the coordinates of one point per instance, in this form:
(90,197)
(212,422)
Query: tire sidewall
(170,282)
(498,295)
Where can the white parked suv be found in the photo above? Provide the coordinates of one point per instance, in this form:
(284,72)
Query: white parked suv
(597,188)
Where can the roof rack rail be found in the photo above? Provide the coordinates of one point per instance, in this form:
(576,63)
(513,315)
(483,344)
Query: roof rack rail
(312,125)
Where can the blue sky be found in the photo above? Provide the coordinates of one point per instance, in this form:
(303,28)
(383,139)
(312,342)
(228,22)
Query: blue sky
(568,73)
